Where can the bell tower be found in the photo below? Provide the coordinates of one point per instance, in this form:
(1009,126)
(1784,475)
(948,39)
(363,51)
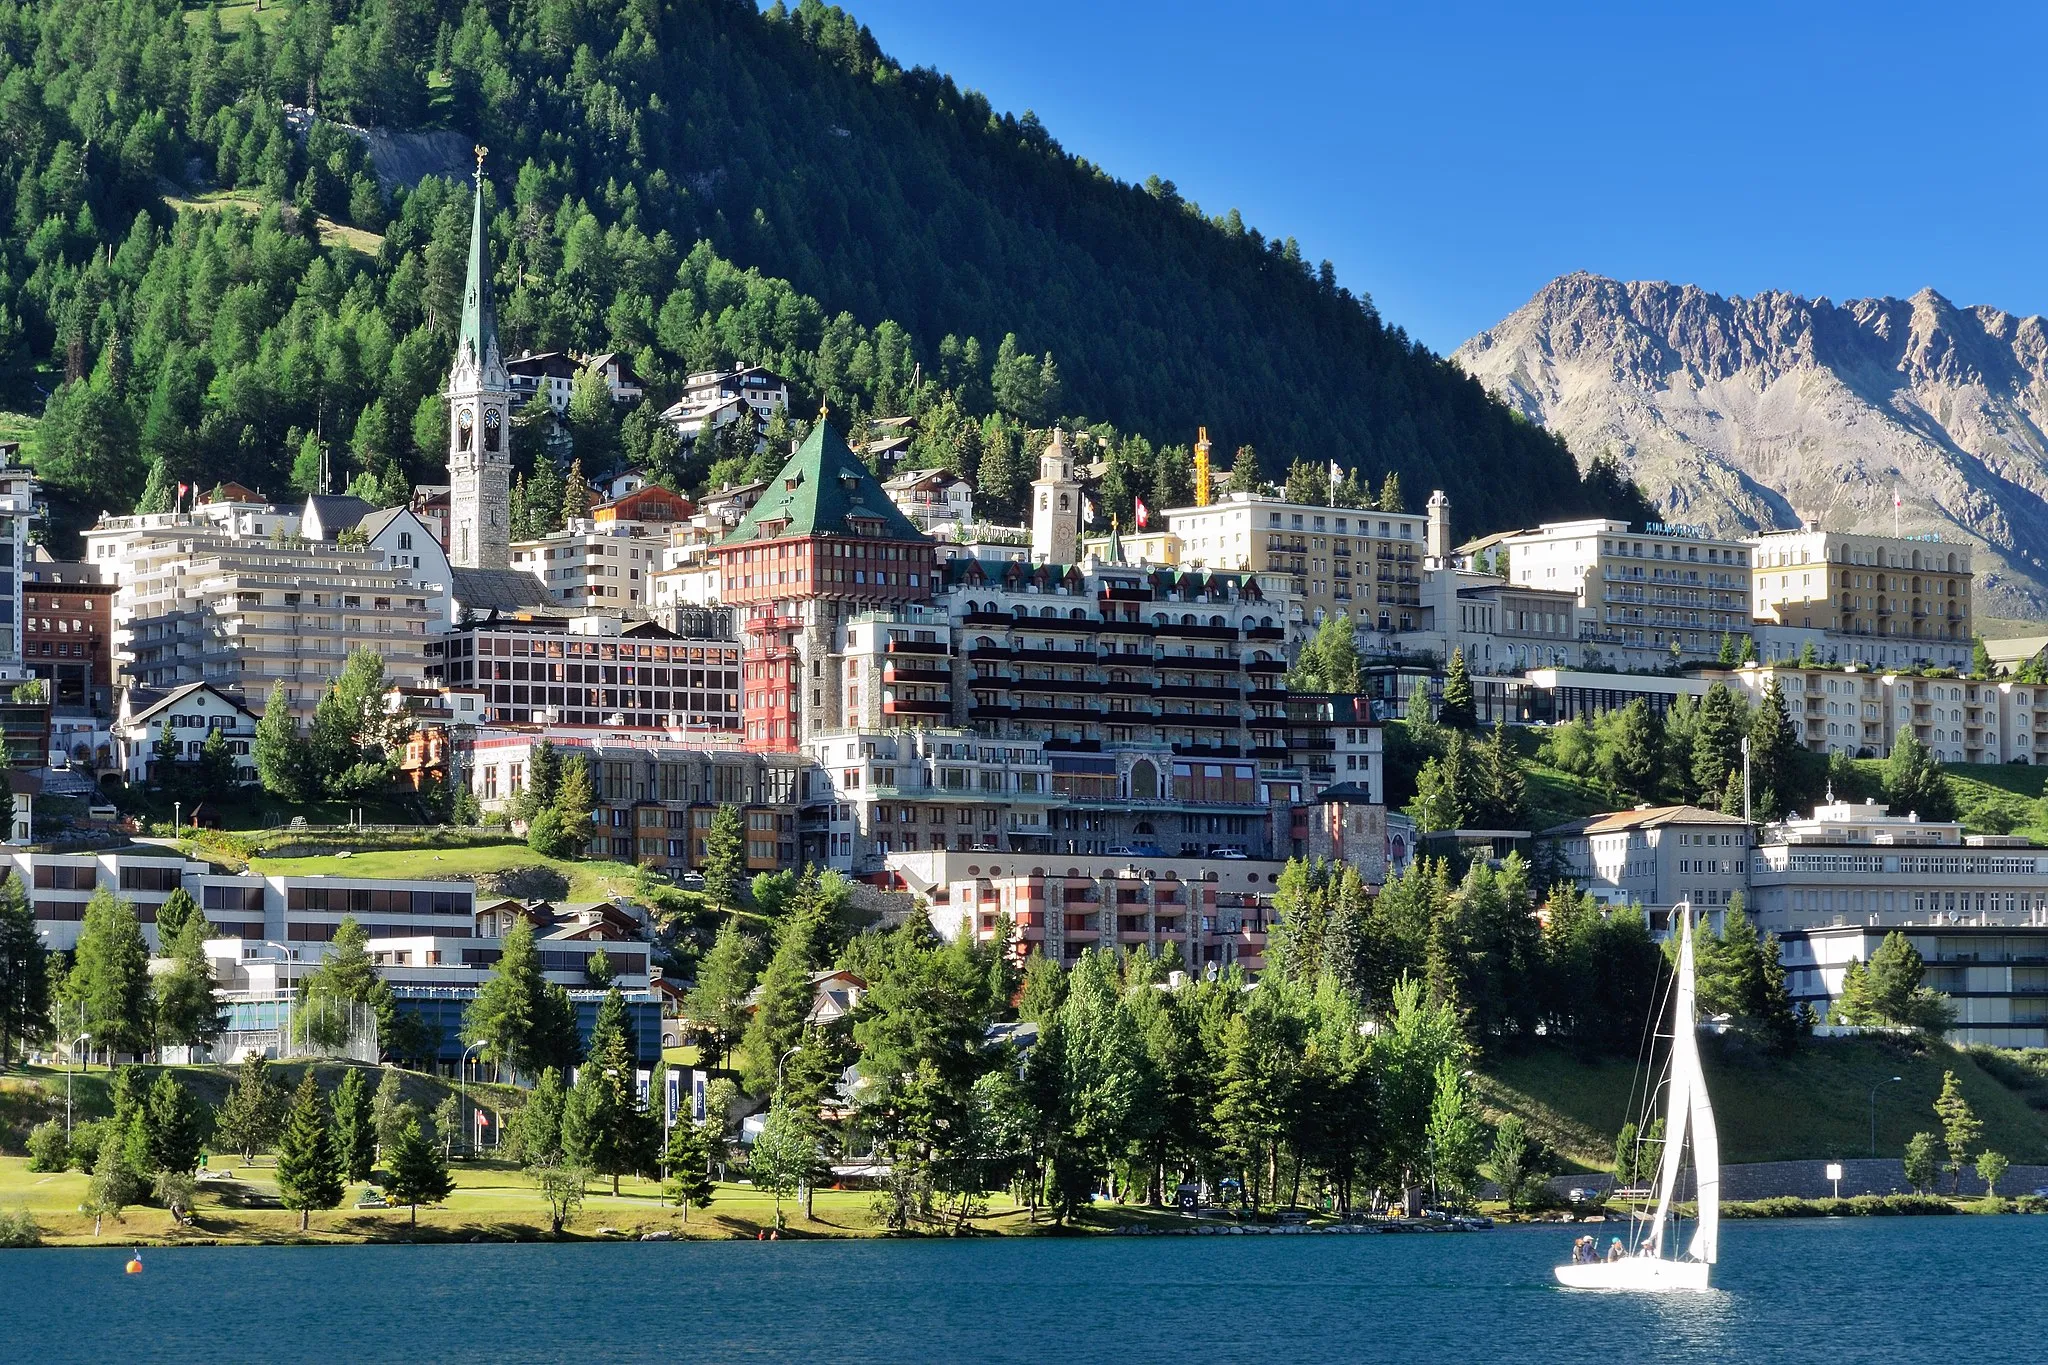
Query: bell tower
(479,416)
(1056,504)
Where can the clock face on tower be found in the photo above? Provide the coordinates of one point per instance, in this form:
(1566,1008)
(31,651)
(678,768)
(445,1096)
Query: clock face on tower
(465,435)
(492,440)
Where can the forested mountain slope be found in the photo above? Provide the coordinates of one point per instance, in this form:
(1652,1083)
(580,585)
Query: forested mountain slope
(658,168)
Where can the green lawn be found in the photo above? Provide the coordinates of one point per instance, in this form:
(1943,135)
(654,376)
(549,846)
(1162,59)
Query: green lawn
(1813,1105)
(19,426)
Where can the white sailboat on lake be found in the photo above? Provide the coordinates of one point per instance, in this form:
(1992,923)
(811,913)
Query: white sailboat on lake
(1656,1264)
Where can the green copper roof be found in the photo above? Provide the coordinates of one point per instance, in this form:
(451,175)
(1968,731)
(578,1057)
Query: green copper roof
(822,491)
(479,317)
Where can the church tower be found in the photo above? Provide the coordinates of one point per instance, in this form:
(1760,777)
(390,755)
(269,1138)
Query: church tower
(1056,504)
(479,417)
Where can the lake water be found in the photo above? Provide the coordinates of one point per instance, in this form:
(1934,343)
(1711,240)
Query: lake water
(1844,1290)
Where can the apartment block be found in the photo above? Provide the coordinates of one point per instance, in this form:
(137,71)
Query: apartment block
(1860,712)
(196,604)
(606,565)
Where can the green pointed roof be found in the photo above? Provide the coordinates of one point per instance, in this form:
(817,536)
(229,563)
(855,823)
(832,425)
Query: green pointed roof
(824,490)
(1113,553)
(479,315)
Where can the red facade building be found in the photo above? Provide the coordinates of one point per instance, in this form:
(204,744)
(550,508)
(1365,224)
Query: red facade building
(822,545)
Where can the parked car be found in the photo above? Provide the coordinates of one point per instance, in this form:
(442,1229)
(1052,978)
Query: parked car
(1236,855)
(1581,1195)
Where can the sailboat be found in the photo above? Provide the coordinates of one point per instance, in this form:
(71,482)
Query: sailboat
(1656,1264)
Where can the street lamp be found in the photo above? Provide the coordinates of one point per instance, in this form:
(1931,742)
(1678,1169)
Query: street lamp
(285,957)
(462,1087)
(1873,1109)
(82,1038)
(780,1062)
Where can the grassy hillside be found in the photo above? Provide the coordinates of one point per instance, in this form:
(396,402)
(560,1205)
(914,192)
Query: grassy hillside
(1813,1105)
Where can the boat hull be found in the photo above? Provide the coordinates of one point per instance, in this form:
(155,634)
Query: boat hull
(1638,1275)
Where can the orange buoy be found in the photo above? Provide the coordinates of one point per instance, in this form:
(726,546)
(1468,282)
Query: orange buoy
(135,1264)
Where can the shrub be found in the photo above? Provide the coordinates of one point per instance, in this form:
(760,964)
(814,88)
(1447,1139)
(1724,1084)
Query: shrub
(47,1148)
(86,1139)
(18,1229)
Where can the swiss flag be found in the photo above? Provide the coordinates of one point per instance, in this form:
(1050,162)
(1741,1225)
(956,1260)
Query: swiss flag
(1144,513)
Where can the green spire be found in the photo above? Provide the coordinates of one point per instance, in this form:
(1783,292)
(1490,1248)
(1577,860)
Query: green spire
(479,318)
(1113,553)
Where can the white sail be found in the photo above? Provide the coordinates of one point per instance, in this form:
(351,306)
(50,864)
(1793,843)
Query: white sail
(1706,1151)
(1678,1098)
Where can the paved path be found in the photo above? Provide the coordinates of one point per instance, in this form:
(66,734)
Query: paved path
(1808,1179)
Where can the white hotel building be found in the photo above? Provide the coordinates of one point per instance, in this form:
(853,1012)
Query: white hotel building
(1646,598)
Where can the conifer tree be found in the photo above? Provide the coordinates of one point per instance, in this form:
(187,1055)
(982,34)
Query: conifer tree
(1773,746)
(604,1126)
(1390,493)
(1638,764)
(1717,742)
(1458,710)
(724,977)
(354,1126)
(188,1005)
(1245,476)
(281,758)
(725,857)
(417,1171)
(1913,780)
(172,1127)
(1960,1125)
(309,1173)
(109,976)
(575,494)
(24,969)
(171,916)
(252,1114)
(539,1121)
(688,1158)
(503,1014)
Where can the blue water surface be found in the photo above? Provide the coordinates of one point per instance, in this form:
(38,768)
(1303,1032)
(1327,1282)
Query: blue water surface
(1840,1290)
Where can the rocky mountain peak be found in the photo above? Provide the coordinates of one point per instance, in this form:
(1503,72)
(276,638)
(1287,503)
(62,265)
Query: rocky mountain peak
(1735,411)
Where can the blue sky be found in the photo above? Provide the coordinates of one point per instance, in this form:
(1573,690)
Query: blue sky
(1451,158)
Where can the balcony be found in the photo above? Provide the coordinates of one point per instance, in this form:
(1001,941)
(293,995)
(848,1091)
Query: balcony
(937,647)
(917,708)
(1196,632)
(1197,693)
(1265,633)
(895,673)
(988,652)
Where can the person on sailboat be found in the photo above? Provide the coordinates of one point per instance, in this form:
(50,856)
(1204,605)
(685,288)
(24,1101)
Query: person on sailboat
(1615,1251)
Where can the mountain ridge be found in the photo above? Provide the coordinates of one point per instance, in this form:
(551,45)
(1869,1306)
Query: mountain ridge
(1749,413)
